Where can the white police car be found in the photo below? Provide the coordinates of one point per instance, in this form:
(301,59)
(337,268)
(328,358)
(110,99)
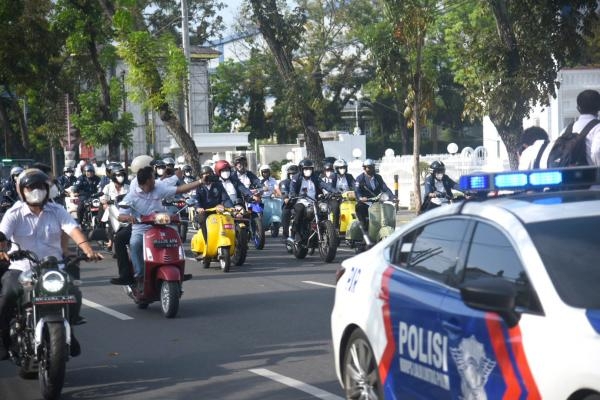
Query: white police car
(496,299)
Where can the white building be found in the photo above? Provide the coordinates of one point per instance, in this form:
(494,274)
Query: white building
(561,111)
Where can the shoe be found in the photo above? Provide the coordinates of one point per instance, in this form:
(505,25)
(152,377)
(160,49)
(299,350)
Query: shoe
(78,320)
(75,346)
(139,281)
(121,281)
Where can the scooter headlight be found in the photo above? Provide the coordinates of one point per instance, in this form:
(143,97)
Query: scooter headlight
(162,219)
(53,281)
(323,207)
(96,203)
(220,208)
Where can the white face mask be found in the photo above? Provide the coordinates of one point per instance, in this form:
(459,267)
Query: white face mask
(307,173)
(69,174)
(36,196)
(160,171)
(328,173)
(342,171)
(188,174)
(225,174)
(439,176)
(120,179)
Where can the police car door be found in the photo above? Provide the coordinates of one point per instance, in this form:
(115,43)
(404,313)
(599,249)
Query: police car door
(486,358)
(424,261)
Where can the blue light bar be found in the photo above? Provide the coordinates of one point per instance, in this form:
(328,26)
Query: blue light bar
(578,177)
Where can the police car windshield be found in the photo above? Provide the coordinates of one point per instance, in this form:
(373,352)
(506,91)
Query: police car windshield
(570,250)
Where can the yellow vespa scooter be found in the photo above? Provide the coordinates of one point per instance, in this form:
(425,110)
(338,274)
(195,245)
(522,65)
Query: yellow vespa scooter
(220,228)
(347,213)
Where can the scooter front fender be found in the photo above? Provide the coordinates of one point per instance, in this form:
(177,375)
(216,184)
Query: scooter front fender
(168,273)
(224,241)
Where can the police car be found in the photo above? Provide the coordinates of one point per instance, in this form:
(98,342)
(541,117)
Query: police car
(496,299)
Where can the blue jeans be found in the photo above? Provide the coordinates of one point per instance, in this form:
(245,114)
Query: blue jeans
(136,244)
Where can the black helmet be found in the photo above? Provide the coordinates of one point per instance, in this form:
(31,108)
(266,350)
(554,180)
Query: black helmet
(68,169)
(169,162)
(292,169)
(118,171)
(206,170)
(328,166)
(437,166)
(159,164)
(187,168)
(240,159)
(33,177)
(89,168)
(306,163)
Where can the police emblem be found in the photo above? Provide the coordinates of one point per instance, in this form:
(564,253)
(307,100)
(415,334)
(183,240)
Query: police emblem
(474,368)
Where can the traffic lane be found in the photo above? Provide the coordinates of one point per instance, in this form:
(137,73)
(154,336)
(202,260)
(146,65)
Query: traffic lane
(113,360)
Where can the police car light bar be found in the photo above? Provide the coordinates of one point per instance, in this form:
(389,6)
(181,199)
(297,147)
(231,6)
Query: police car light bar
(531,179)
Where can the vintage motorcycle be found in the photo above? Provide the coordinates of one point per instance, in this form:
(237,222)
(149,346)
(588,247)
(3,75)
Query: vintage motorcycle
(241,217)
(221,242)
(272,214)
(318,231)
(40,331)
(164,264)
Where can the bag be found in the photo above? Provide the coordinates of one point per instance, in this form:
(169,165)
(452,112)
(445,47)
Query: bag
(569,150)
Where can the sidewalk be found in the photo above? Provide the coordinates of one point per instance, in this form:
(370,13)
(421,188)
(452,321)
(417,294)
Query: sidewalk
(404,215)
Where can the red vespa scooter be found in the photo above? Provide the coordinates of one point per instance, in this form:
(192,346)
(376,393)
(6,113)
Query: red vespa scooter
(164,265)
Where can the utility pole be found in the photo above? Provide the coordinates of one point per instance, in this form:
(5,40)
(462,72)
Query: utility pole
(187,97)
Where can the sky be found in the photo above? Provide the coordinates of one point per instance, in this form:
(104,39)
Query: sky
(229,13)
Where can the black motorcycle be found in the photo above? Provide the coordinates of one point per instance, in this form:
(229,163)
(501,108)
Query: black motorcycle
(317,231)
(40,331)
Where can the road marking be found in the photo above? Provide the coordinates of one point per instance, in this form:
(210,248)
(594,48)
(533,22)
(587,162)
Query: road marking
(304,387)
(319,284)
(106,310)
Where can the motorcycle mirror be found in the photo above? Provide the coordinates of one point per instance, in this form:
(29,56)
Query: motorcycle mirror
(190,202)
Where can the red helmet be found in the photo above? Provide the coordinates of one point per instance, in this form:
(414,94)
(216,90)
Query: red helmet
(221,165)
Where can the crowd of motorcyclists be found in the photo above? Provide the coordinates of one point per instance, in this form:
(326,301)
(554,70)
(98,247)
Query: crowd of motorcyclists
(28,192)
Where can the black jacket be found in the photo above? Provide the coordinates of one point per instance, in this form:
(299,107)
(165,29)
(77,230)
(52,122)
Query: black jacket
(208,198)
(255,182)
(363,189)
(296,185)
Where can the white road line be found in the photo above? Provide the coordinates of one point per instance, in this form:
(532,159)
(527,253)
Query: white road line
(304,387)
(319,284)
(106,310)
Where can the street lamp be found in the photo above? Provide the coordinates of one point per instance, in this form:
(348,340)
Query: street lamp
(358,96)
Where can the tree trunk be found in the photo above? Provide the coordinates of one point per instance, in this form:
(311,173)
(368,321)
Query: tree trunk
(417,127)
(182,137)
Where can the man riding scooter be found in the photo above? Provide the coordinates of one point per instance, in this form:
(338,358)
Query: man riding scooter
(438,187)
(368,185)
(286,207)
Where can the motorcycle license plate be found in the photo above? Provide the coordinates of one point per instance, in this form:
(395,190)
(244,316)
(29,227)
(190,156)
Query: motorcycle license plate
(165,243)
(69,299)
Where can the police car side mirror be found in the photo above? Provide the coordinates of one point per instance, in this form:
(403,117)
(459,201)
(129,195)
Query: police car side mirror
(492,294)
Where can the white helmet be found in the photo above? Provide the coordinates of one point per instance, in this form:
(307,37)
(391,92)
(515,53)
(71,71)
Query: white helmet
(140,162)
(264,167)
(340,163)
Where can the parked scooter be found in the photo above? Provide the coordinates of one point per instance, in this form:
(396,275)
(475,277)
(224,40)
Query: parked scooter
(318,231)
(382,223)
(220,245)
(272,214)
(164,264)
(40,330)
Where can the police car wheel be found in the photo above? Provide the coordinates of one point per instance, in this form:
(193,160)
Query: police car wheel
(361,377)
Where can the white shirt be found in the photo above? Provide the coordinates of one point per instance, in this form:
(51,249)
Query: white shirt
(269,186)
(230,189)
(40,234)
(143,203)
(342,183)
(592,140)
(529,155)
(111,192)
(311,190)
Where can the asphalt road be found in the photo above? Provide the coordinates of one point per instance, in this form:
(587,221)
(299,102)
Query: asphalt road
(261,331)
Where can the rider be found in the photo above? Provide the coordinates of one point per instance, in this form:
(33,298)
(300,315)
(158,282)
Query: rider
(85,187)
(438,187)
(342,182)
(234,188)
(117,187)
(367,185)
(188,174)
(269,184)
(211,194)
(286,209)
(67,179)
(243,175)
(305,183)
(37,224)
(108,170)
(144,198)
(9,189)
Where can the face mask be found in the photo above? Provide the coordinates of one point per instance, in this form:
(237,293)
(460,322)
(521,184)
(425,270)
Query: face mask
(439,176)
(120,179)
(36,196)
(328,173)
(225,174)
(54,192)
(188,174)
(160,171)
(342,171)
(307,173)
(69,174)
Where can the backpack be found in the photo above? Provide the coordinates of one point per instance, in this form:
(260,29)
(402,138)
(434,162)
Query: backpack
(569,150)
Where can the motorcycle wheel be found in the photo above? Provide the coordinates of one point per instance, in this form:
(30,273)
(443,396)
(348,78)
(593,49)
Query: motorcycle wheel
(183,229)
(300,251)
(225,259)
(275,229)
(241,247)
(53,360)
(169,298)
(259,233)
(328,243)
